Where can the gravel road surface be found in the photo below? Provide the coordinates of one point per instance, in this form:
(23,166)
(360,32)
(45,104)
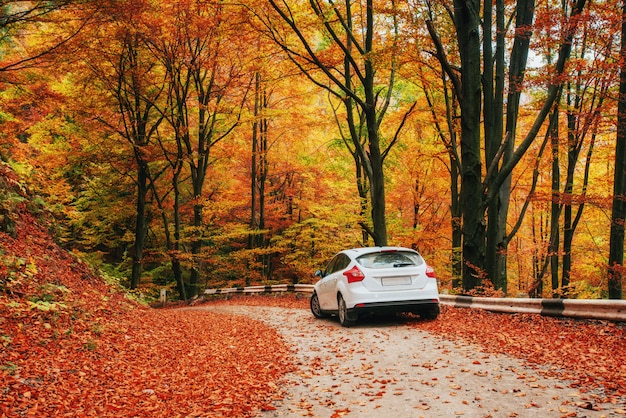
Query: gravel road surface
(390,368)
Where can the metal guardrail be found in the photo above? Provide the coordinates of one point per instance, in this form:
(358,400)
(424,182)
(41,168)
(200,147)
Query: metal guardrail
(598,309)
(298,288)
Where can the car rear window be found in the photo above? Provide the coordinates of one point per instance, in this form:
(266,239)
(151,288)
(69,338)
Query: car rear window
(390,259)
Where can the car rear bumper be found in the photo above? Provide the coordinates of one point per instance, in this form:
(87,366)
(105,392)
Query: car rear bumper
(413,306)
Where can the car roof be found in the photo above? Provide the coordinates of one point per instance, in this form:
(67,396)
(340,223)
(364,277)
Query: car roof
(356,252)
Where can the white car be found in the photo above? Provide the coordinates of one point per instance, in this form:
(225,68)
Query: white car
(375,280)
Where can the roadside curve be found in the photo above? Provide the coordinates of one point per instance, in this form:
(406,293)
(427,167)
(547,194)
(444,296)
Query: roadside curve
(391,368)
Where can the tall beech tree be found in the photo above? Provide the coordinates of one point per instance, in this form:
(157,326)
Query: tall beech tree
(126,72)
(585,100)
(479,88)
(259,170)
(580,107)
(201,49)
(350,49)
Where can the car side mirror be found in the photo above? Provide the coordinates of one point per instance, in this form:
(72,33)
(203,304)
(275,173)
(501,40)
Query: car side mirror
(319,273)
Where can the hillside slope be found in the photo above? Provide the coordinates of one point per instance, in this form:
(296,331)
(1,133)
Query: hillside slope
(72,345)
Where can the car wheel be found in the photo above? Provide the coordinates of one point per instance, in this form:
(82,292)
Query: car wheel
(345,318)
(315,306)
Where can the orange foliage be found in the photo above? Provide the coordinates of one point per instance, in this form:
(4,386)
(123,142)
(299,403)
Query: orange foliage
(71,344)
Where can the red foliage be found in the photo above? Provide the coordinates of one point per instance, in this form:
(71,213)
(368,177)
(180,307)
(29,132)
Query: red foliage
(589,354)
(72,345)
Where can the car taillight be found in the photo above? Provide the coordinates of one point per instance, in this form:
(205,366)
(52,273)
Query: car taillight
(430,272)
(354,275)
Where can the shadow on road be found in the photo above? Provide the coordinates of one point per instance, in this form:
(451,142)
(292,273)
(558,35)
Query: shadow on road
(377,321)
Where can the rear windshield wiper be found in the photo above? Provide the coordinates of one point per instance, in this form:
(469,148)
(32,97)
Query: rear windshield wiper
(402,264)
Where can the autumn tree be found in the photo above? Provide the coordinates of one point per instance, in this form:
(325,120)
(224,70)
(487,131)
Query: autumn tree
(441,118)
(32,34)
(618,214)
(479,87)
(350,50)
(585,99)
(125,70)
(33,30)
(259,165)
(200,51)
(576,122)
(266,92)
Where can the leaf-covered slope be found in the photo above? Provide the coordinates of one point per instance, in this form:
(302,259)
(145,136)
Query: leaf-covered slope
(72,345)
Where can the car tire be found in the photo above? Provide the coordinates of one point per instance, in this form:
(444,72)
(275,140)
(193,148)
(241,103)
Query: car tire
(346,319)
(316,309)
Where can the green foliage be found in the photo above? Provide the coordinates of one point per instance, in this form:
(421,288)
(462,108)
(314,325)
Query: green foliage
(582,289)
(5,340)
(161,274)
(50,298)
(310,244)
(9,368)
(51,291)
(102,216)
(46,306)
(9,208)
(113,275)
(19,270)
(90,345)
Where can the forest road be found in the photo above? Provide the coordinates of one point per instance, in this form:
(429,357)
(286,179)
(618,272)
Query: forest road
(390,368)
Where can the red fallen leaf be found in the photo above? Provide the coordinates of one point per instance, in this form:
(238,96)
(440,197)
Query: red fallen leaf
(340,412)
(268,407)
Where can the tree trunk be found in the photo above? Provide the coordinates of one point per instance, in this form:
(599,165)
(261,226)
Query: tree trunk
(555,205)
(618,214)
(493,63)
(377,182)
(196,240)
(573,152)
(467,25)
(141,224)
(498,239)
(175,257)
(457,233)
(256,238)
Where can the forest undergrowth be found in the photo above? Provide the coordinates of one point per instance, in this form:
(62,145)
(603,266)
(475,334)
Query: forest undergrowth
(73,345)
